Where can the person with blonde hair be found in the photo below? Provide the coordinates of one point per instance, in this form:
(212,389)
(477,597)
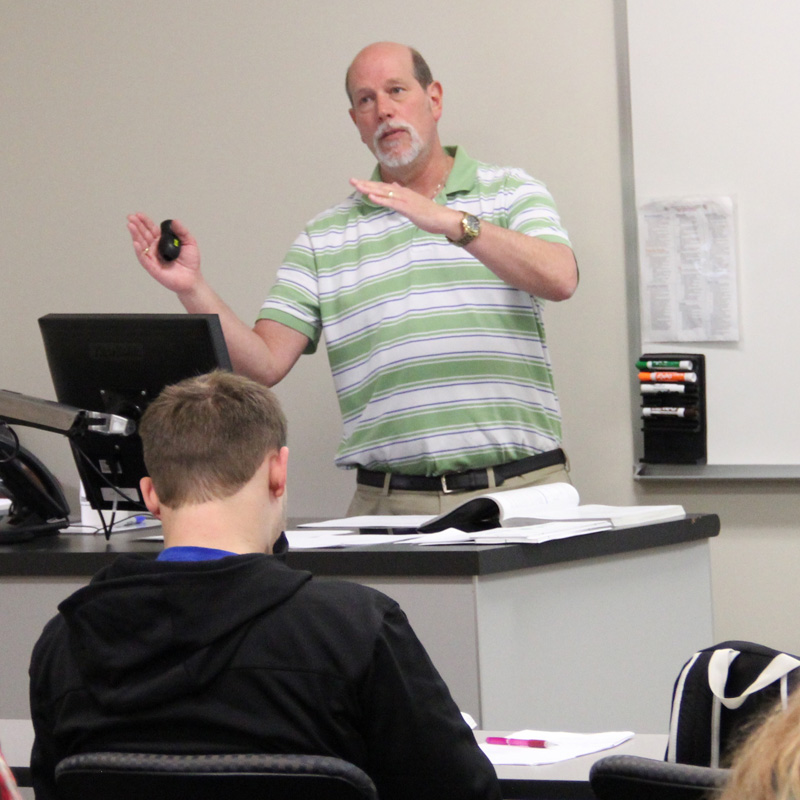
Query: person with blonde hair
(766,766)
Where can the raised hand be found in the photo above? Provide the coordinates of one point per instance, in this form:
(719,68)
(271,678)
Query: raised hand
(423,212)
(180,276)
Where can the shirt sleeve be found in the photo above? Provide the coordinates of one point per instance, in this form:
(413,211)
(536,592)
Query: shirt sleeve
(294,298)
(530,208)
(419,744)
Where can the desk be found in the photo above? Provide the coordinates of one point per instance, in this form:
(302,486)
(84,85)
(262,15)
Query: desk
(586,633)
(569,779)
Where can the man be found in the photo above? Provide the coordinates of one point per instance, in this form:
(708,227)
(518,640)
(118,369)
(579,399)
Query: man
(218,647)
(428,285)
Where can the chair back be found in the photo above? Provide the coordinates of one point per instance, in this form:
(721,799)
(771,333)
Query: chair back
(625,777)
(133,776)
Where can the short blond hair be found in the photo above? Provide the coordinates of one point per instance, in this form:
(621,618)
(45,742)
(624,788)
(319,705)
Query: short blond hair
(766,765)
(205,437)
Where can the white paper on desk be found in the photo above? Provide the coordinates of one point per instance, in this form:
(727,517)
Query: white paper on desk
(408,521)
(564,746)
(540,532)
(447,536)
(305,540)
(522,534)
(616,516)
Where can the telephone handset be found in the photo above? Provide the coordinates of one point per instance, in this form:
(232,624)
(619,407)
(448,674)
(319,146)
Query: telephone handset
(38,505)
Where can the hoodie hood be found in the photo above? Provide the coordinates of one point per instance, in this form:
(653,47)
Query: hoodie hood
(143,631)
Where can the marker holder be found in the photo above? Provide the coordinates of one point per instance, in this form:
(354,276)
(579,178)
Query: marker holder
(673,422)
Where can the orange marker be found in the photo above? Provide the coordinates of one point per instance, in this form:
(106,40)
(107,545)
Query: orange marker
(675,377)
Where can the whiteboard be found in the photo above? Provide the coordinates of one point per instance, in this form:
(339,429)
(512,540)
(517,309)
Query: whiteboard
(714,111)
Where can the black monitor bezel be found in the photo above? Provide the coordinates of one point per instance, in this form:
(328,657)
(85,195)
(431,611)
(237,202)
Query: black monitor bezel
(119,363)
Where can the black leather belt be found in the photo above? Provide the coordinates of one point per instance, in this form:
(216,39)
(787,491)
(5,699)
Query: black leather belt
(471,480)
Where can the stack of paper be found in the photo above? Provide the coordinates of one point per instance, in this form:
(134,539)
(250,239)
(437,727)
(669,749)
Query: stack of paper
(522,534)
(530,515)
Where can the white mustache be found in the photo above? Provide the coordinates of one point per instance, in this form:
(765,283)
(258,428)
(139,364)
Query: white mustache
(386,127)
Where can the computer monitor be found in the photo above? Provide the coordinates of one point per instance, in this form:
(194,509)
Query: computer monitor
(118,364)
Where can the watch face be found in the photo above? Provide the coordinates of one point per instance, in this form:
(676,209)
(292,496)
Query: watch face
(472,225)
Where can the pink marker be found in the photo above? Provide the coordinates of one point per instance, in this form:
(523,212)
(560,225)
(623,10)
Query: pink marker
(540,743)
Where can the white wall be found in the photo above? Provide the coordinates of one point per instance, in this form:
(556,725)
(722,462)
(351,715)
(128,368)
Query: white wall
(232,117)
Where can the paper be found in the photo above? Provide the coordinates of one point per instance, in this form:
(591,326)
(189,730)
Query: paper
(522,534)
(540,532)
(564,746)
(618,516)
(688,273)
(404,521)
(306,540)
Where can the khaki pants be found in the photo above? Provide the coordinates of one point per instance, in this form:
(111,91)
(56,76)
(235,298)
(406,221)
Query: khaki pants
(375,501)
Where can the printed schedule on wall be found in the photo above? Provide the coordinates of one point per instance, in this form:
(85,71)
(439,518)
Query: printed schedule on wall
(687,261)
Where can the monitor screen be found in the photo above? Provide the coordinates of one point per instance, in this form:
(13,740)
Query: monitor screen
(118,364)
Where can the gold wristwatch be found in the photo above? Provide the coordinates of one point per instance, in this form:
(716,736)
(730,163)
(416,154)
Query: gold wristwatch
(471,226)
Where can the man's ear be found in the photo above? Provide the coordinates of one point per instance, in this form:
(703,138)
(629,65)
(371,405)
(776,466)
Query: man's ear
(278,471)
(435,94)
(150,497)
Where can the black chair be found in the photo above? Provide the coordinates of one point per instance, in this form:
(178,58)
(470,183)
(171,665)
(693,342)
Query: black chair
(135,776)
(639,778)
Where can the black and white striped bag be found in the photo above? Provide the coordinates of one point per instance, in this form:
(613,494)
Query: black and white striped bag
(720,689)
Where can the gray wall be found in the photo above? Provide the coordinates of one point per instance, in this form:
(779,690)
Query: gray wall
(232,117)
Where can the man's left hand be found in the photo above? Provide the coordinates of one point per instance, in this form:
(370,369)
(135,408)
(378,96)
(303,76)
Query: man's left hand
(536,266)
(423,212)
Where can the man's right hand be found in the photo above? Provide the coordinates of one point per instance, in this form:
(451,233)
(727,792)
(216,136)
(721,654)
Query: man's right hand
(180,276)
(265,354)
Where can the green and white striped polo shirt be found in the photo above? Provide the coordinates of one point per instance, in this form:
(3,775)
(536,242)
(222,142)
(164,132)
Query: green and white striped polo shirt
(439,365)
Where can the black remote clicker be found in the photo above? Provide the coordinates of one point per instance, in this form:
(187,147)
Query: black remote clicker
(169,245)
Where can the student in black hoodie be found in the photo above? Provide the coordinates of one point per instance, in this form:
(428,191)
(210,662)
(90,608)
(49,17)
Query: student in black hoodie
(218,647)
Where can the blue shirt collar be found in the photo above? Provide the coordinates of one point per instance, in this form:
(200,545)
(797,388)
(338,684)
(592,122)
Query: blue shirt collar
(191,553)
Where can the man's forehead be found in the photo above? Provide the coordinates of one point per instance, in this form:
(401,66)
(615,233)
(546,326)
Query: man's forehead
(382,63)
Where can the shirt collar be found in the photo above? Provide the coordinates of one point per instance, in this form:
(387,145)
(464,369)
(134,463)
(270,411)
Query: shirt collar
(462,176)
(191,553)
(464,173)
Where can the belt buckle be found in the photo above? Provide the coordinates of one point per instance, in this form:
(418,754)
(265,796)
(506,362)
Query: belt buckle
(445,490)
